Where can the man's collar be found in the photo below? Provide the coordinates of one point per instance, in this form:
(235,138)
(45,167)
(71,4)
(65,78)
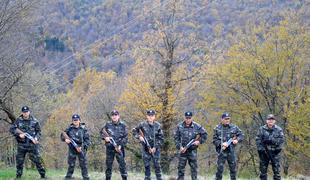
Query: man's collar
(116,123)
(191,124)
(228,125)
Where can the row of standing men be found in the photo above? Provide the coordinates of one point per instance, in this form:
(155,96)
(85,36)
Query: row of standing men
(188,136)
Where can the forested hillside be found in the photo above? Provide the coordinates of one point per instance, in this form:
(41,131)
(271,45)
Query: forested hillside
(246,57)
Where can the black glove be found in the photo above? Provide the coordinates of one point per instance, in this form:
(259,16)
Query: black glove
(276,151)
(261,151)
(267,141)
(85,148)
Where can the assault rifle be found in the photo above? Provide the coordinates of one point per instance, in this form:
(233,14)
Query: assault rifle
(34,140)
(112,141)
(73,143)
(146,142)
(268,152)
(229,143)
(190,143)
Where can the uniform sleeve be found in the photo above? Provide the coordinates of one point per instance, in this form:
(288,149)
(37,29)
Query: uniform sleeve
(177,138)
(239,134)
(13,128)
(62,138)
(258,139)
(67,130)
(159,138)
(37,131)
(279,139)
(124,140)
(86,139)
(135,131)
(216,140)
(203,135)
(102,134)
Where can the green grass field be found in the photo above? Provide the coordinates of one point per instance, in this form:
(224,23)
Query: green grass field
(30,174)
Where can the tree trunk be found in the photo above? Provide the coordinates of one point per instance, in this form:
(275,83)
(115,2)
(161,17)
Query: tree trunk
(285,165)
(167,120)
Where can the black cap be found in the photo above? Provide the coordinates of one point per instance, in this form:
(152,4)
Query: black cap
(270,116)
(188,114)
(225,115)
(114,112)
(150,112)
(75,117)
(25,109)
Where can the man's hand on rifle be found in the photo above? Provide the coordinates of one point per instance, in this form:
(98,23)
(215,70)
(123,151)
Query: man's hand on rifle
(141,138)
(153,150)
(22,135)
(235,141)
(182,150)
(196,143)
(79,149)
(118,149)
(107,139)
(67,141)
(224,145)
(35,141)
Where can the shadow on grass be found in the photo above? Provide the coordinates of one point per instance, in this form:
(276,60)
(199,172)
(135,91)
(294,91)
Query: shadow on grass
(52,174)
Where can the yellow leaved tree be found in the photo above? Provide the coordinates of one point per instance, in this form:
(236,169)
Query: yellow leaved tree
(169,62)
(87,85)
(266,71)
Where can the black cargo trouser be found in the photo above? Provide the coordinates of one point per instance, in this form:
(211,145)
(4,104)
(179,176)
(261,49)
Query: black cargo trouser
(72,154)
(34,156)
(191,157)
(264,162)
(230,157)
(110,154)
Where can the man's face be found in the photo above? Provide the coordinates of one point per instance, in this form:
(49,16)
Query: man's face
(270,122)
(115,118)
(26,114)
(76,122)
(150,117)
(226,121)
(188,120)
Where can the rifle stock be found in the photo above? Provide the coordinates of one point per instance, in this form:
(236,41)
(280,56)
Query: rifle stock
(146,142)
(74,144)
(190,143)
(112,141)
(26,134)
(269,154)
(229,143)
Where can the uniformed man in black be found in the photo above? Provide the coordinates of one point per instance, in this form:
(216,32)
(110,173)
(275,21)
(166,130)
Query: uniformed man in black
(269,142)
(77,133)
(188,136)
(26,123)
(150,131)
(226,136)
(115,130)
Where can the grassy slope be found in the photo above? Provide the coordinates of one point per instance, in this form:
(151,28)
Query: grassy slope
(7,174)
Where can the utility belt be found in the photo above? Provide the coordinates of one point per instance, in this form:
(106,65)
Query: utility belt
(273,148)
(227,150)
(27,145)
